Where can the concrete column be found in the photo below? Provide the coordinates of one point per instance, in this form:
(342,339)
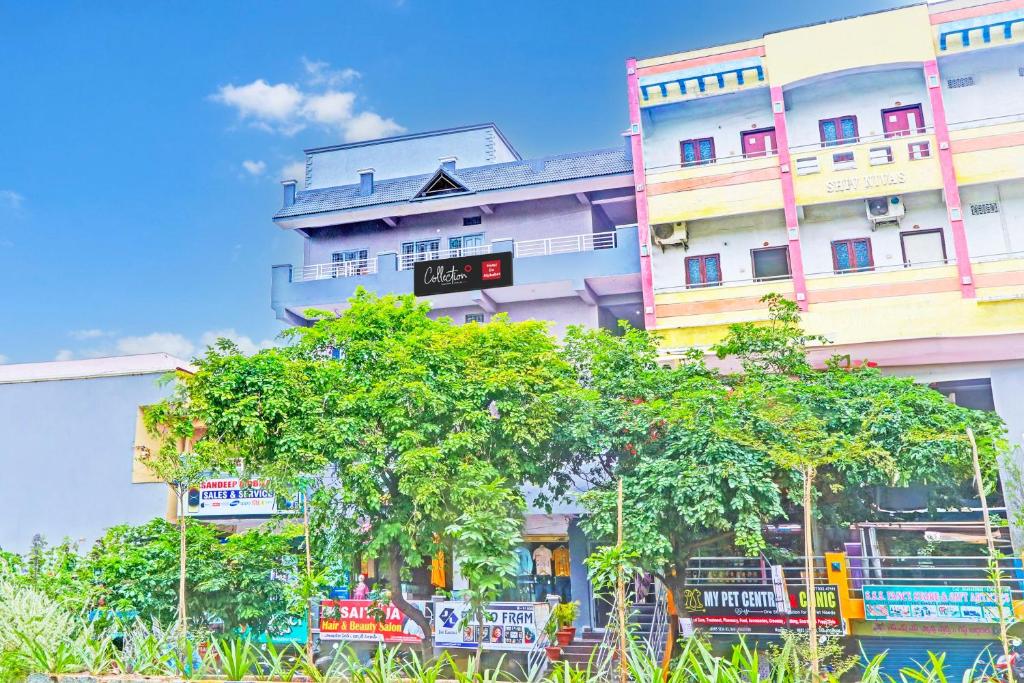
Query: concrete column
(1007,388)
(640,184)
(796,257)
(949,184)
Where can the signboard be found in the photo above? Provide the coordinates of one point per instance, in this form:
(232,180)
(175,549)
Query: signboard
(509,625)
(973,604)
(365,620)
(930,630)
(462,274)
(764,608)
(232,497)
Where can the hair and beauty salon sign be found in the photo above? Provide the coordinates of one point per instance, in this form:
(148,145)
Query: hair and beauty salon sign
(462,274)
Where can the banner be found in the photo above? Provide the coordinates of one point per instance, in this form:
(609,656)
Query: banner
(509,625)
(973,604)
(231,497)
(364,620)
(761,608)
(462,274)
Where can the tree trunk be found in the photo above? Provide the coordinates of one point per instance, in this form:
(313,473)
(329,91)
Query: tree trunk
(309,577)
(812,612)
(182,549)
(395,564)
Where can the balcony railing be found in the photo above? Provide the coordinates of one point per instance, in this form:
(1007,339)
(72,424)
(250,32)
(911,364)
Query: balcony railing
(566,245)
(326,271)
(406,261)
(864,152)
(988,121)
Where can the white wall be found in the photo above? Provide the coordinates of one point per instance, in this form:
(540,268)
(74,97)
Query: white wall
(520,221)
(864,95)
(722,118)
(998,89)
(994,233)
(824,223)
(406,157)
(731,237)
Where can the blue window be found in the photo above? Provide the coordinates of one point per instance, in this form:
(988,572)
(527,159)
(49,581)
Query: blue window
(349,263)
(840,130)
(423,250)
(474,317)
(470,243)
(852,255)
(697,151)
(703,271)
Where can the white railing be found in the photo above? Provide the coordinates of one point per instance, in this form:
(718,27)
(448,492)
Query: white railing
(406,261)
(326,271)
(884,268)
(990,121)
(566,245)
(1005,256)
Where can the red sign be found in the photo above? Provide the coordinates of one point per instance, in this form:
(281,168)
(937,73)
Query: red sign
(366,620)
(491,270)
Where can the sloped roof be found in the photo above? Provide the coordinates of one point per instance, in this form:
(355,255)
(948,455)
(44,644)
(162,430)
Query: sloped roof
(91,368)
(487,178)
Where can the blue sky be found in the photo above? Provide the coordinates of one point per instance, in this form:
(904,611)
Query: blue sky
(142,141)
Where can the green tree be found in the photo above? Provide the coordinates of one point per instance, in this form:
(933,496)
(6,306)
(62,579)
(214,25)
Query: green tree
(397,415)
(708,458)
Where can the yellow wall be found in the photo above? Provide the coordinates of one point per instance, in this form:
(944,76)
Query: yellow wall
(715,198)
(143,440)
(1005,161)
(898,36)
(901,176)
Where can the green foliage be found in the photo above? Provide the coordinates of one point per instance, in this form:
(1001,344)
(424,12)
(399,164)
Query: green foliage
(397,417)
(96,653)
(44,657)
(55,571)
(565,613)
(238,656)
(282,663)
(33,628)
(229,578)
(707,458)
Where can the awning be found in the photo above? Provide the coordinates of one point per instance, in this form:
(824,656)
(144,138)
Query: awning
(537,528)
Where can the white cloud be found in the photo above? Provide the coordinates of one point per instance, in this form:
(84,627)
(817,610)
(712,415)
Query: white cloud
(11,198)
(286,108)
(294,171)
(320,73)
(92,333)
(254,167)
(65,354)
(368,125)
(157,342)
(245,344)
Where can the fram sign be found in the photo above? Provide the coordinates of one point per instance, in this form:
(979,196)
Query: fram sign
(462,274)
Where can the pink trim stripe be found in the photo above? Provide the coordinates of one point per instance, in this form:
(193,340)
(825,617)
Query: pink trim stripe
(723,180)
(701,61)
(949,183)
(643,230)
(976,11)
(796,257)
(987,142)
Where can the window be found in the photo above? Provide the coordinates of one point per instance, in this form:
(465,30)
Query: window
(474,317)
(807,166)
(349,263)
(880,155)
(703,271)
(770,263)
(961,82)
(758,143)
(471,220)
(923,247)
(466,244)
(919,150)
(423,250)
(984,208)
(840,130)
(697,151)
(852,255)
(903,121)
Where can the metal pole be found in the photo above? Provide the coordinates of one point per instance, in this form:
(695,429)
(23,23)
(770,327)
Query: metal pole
(620,596)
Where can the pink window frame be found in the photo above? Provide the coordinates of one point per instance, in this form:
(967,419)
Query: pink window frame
(839,127)
(696,146)
(921,129)
(703,270)
(855,268)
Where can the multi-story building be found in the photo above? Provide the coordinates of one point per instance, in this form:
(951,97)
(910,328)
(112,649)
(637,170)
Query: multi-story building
(869,168)
(369,211)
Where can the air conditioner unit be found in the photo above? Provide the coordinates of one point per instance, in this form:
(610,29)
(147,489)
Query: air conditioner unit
(884,211)
(670,233)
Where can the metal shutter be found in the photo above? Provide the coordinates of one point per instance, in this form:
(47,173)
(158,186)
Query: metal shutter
(904,652)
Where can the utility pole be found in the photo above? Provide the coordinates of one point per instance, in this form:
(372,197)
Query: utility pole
(620,596)
(812,608)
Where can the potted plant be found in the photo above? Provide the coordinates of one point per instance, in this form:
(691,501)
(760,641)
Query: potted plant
(553,651)
(565,614)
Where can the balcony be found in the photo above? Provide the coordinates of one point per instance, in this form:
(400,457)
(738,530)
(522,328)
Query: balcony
(598,268)
(988,150)
(867,167)
(727,186)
